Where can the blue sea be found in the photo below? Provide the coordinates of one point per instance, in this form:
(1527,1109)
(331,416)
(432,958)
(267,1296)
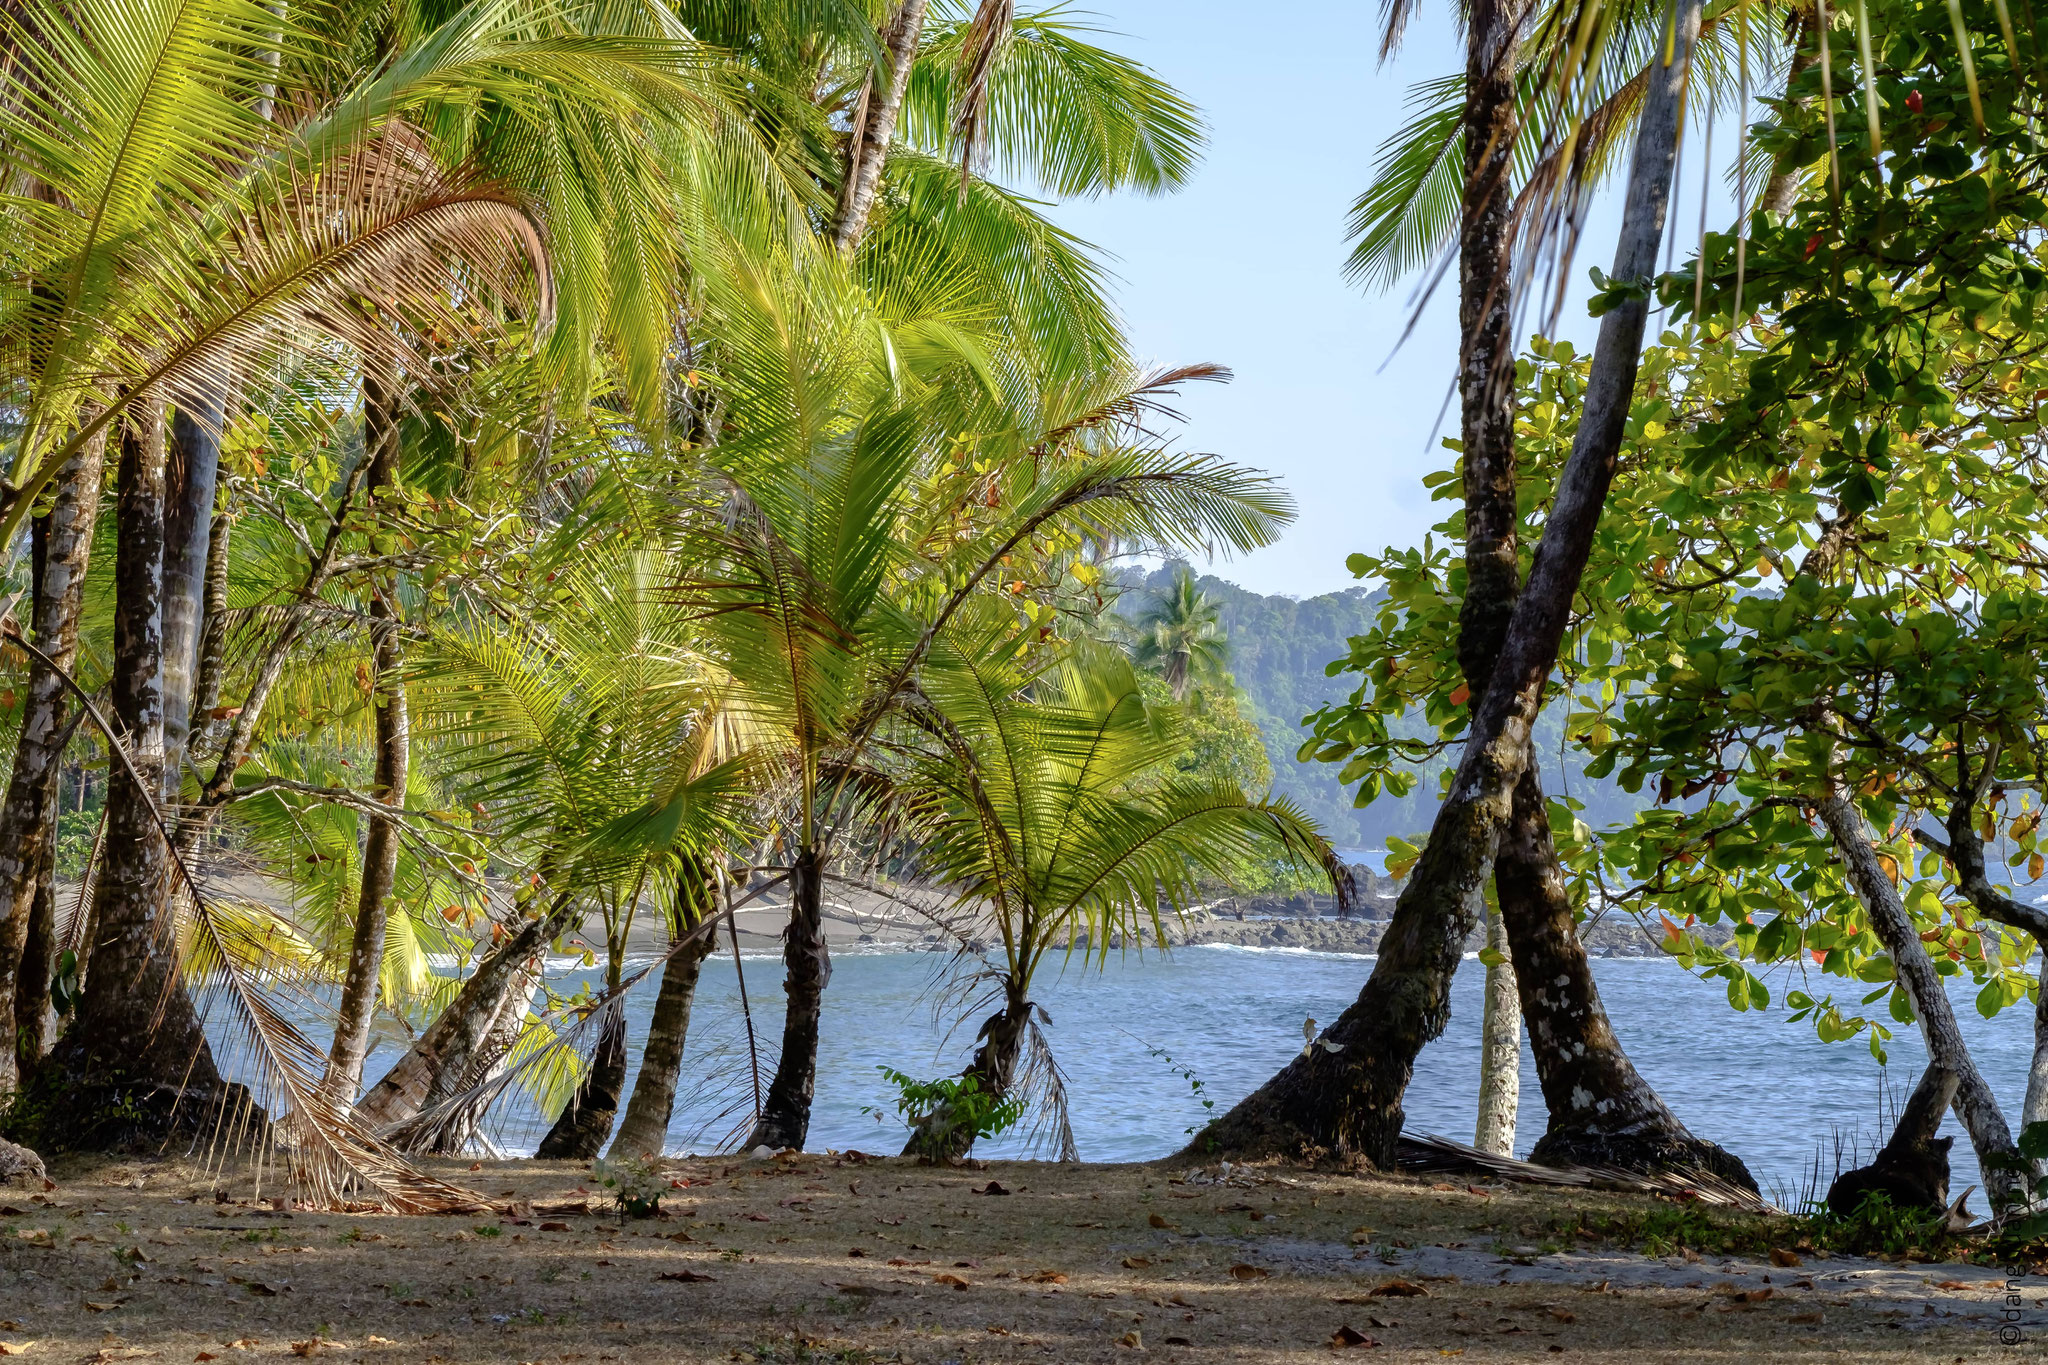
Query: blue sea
(1146,1043)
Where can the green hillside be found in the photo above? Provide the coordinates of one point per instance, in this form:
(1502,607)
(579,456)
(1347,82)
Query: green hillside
(1279,647)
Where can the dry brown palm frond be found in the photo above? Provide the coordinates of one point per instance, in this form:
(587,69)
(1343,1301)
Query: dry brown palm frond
(1133,404)
(980,47)
(331,1157)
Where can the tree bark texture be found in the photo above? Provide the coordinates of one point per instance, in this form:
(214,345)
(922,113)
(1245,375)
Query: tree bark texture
(586,1121)
(1500,1047)
(35,1023)
(1344,1103)
(644,1129)
(786,1110)
(438,1065)
(1602,1112)
(874,126)
(360,982)
(1976,1107)
(938,1136)
(135,1065)
(28,818)
(191,476)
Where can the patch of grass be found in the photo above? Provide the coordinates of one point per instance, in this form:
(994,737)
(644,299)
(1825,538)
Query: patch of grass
(488,1230)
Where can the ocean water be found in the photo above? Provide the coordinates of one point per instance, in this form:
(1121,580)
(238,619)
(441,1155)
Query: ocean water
(1133,1036)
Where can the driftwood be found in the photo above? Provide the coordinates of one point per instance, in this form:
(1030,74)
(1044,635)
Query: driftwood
(1433,1155)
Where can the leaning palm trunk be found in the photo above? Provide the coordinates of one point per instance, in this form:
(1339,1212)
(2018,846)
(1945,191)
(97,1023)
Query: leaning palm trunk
(1601,1110)
(1500,1048)
(192,475)
(28,819)
(359,986)
(644,1129)
(586,1120)
(436,1068)
(786,1110)
(874,123)
(137,1048)
(1346,1102)
(1975,1104)
(943,1135)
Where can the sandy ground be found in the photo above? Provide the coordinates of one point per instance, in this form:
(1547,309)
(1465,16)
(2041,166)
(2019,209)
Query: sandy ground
(845,1259)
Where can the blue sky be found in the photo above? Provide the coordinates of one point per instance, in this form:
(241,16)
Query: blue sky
(1244,267)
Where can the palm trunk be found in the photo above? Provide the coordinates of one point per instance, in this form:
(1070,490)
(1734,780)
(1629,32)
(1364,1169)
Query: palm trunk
(786,1112)
(1781,191)
(1975,1104)
(359,986)
(874,125)
(586,1121)
(28,819)
(1346,1104)
(137,1047)
(213,630)
(1602,1111)
(438,1064)
(1500,1048)
(192,475)
(455,1132)
(35,1025)
(644,1129)
(937,1137)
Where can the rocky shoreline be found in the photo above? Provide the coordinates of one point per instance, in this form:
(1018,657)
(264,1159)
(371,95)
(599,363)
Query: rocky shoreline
(1613,935)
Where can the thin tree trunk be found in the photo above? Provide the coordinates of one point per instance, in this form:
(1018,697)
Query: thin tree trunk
(137,1048)
(193,469)
(455,1133)
(1500,1048)
(586,1121)
(213,630)
(1781,191)
(439,1062)
(867,147)
(1975,1104)
(28,819)
(1346,1104)
(34,1023)
(786,1112)
(938,1137)
(644,1129)
(359,986)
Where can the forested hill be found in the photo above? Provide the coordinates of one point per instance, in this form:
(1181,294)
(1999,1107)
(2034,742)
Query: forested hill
(1279,647)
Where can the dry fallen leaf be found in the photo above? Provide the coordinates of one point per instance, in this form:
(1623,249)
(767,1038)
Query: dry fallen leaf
(1953,1284)
(1781,1257)
(244,1344)
(1564,1315)
(1347,1337)
(1400,1289)
(1180,1341)
(1815,1317)
(685,1277)
(1133,1339)
(92,1307)
(1042,1277)
(554,1227)
(1241,1271)
(953,1280)
(1360,1236)
(15,1348)
(374,1340)
(205,1356)
(1136,1263)
(1158,1221)
(992,1188)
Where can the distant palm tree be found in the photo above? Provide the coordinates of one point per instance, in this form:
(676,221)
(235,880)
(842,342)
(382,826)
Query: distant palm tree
(1181,636)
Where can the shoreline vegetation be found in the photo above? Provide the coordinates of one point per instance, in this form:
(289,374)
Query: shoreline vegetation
(564,490)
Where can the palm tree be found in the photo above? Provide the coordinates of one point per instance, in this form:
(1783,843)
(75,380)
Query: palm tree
(852,532)
(1180,636)
(1035,789)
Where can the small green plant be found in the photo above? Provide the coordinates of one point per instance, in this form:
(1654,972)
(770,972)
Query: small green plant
(1195,1085)
(488,1230)
(636,1185)
(950,1113)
